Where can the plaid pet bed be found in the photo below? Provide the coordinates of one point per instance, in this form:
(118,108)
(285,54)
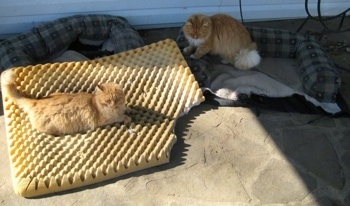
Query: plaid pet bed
(51,39)
(317,72)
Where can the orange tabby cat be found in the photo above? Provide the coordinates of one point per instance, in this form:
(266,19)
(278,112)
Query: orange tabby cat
(223,35)
(64,113)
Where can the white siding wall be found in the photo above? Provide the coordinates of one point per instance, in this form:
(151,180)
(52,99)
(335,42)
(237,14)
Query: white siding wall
(17,16)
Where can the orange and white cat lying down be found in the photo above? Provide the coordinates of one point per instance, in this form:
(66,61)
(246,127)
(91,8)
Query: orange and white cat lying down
(65,113)
(222,35)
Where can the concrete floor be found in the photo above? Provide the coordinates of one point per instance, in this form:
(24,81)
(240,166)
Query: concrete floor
(230,156)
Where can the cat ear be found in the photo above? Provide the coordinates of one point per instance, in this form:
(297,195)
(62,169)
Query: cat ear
(99,88)
(121,84)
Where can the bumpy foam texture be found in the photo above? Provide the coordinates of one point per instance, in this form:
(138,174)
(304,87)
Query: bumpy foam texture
(159,87)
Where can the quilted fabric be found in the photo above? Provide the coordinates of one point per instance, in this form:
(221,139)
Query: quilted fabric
(316,70)
(52,38)
(318,73)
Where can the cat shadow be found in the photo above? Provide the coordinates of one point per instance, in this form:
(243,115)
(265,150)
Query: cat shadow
(177,154)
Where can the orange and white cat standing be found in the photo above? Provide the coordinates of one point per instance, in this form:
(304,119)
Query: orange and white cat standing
(223,35)
(65,113)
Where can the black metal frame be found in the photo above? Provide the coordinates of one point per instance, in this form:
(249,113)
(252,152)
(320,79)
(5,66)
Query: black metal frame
(322,19)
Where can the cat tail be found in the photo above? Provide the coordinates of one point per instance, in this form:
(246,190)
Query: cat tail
(8,78)
(247,58)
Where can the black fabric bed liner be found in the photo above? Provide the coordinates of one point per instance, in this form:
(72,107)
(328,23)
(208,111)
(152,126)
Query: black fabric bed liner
(292,104)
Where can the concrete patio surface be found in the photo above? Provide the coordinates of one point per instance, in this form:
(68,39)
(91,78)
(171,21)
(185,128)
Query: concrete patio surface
(231,156)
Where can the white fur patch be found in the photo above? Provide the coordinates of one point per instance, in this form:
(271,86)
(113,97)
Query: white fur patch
(247,59)
(195,42)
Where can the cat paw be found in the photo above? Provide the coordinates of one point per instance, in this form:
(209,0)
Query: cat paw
(224,61)
(186,50)
(193,56)
(127,110)
(127,120)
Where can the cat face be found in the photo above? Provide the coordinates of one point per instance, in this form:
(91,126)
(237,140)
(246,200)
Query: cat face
(198,26)
(110,95)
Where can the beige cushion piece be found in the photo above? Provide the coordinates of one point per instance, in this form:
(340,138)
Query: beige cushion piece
(159,87)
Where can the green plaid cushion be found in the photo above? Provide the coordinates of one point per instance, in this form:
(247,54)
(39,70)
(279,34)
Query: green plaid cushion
(51,38)
(275,43)
(316,70)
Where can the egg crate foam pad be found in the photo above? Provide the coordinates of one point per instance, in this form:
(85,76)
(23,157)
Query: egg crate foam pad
(159,87)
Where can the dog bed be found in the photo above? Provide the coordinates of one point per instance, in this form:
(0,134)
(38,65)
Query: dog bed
(292,64)
(49,40)
(159,87)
